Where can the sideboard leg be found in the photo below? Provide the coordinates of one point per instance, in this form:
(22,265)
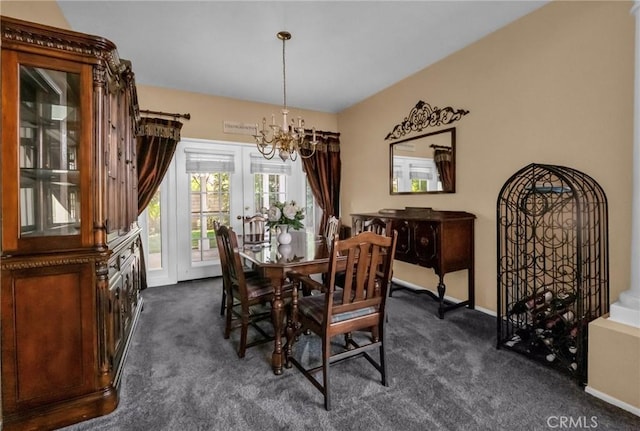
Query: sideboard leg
(441,290)
(472,289)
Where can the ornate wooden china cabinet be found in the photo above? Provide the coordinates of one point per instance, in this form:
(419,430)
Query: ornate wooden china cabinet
(70,273)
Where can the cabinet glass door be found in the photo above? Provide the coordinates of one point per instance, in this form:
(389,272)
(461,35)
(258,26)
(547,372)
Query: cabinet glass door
(48,152)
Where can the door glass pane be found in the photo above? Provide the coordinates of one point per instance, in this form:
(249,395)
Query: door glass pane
(310,208)
(49,132)
(268,189)
(154,228)
(209,197)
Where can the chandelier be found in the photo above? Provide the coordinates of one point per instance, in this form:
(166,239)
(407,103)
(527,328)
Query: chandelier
(286,140)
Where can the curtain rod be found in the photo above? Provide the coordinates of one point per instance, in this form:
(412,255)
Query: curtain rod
(440,147)
(166,114)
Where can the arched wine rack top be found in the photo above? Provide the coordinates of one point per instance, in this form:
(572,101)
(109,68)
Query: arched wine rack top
(550,185)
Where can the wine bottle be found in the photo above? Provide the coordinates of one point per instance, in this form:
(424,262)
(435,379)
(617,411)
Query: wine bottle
(545,344)
(570,338)
(562,300)
(530,302)
(558,322)
(540,314)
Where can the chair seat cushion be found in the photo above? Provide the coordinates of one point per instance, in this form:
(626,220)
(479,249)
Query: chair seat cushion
(313,308)
(258,287)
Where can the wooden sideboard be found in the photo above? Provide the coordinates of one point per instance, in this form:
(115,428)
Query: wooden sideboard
(442,240)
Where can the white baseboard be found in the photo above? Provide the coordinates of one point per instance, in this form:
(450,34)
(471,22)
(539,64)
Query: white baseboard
(448,298)
(611,400)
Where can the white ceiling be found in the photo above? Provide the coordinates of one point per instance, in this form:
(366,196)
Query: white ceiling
(341,52)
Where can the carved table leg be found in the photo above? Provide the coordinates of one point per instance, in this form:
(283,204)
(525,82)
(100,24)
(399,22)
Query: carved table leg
(277,314)
(292,327)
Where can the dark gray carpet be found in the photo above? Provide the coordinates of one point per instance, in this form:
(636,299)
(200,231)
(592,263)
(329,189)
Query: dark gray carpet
(444,375)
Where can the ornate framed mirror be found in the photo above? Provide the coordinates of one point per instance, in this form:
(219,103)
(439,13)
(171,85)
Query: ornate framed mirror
(423,164)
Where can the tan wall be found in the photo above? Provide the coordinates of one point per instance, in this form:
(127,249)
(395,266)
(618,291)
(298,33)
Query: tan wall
(614,363)
(553,87)
(43,12)
(208,113)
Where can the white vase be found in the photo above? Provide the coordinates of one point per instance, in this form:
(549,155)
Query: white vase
(284,237)
(284,250)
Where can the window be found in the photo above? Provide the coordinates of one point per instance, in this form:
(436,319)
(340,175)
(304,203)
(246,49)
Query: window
(311,209)
(268,189)
(154,231)
(211,181)
(270,181)
(209,197)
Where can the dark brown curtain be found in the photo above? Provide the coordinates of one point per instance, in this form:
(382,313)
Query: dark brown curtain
(157,141)
(323,173)
(444,163)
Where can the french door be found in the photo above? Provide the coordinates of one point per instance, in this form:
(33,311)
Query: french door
(209,181)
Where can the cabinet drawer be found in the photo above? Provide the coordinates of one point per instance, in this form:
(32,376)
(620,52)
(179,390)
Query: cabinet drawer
(405,243)
(426,243)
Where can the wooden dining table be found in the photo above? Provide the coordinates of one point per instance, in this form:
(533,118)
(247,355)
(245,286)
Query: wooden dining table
(306,254)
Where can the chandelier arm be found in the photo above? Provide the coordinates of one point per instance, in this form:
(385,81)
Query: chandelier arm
(313,151)
(269,148)
(269,154)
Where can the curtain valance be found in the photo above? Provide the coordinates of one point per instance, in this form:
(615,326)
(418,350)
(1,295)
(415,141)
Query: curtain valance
(157,141)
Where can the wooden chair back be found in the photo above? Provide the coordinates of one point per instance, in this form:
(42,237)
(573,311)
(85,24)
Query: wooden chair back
(369,262)
(255,229)
(375,225)
(224,265)
(332,228)
(231,263)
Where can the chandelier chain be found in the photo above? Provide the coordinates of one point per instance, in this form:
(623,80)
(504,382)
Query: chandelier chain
(284,75)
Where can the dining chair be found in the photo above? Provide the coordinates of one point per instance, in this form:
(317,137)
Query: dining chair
(375,225)
(255,229)
(248,272)
(332,228)
(248,299)
(358,306)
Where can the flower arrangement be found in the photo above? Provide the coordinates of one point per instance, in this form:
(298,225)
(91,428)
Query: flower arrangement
(287,213)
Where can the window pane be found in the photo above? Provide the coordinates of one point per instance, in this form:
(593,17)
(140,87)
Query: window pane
(210,201)
(155,232)
(310,209)
(268,189)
